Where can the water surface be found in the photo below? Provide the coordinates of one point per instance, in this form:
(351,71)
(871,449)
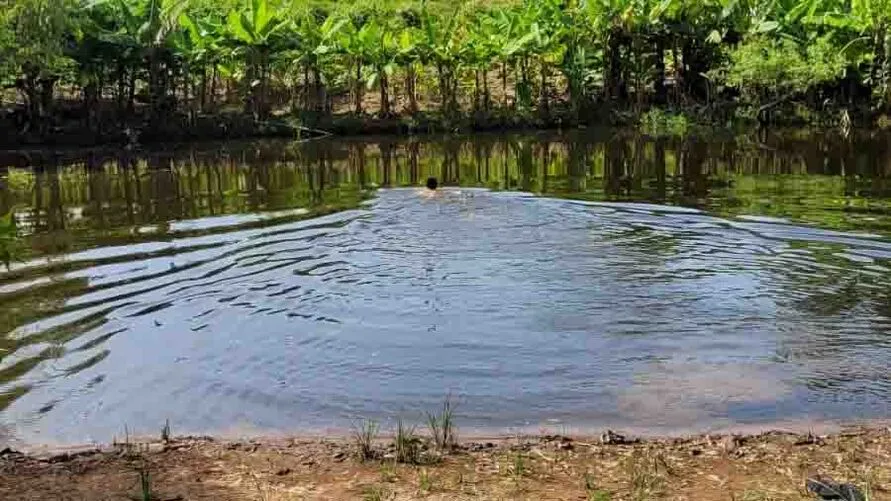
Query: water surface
(575,282)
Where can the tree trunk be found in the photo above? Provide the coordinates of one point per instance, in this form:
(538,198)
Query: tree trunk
(694,67)
(90,103)
(203,89)
(543,100)
(122,89)
(879,71)
(453,89)
(213,85)
(679,77)
(195,94)
(320,95)
(157,90)
(131,89)
(614,85)
(487,97)
(173,86)
(306,88)
(385,93)
(443,89)
(886,69)
(357,93)
(476,91)
(47,86)
(410,89)
(28,86)
(504,82)
(248,91)
(262,98)
(661,96)
(524,93)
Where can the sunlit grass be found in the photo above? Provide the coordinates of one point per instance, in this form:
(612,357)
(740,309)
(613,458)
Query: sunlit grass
(442,426)
(647,474)
(364,434)
(408,444)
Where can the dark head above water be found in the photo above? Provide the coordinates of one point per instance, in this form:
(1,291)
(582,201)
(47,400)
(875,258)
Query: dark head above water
(432,183)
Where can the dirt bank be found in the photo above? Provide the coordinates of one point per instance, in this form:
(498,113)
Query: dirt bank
(771,466)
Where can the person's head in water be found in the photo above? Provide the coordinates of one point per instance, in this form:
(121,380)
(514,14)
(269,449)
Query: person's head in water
(432,183)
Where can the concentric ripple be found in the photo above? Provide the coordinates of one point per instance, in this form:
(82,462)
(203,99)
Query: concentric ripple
(533,310)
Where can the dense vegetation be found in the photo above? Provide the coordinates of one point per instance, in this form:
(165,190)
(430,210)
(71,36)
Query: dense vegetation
(157,65)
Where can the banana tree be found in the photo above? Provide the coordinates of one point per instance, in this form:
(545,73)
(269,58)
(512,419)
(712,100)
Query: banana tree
(440,46)
(35,33)
(127,34)
(254,27)
(317,45)
(352,41)
(864,25)
(523,30)
(580,63)
(480,53)
(381,47)
(502,25)
(407,57)
(158,20)
(699,33)
(198,44)
(104,38)
(548,27)
(94,56)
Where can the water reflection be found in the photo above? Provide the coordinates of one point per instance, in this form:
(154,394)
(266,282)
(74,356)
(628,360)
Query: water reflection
(679,288)
(77,200)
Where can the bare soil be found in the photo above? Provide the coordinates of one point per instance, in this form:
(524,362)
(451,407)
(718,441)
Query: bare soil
(770,466)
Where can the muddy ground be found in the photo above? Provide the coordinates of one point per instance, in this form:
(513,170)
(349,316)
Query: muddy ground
(771,466)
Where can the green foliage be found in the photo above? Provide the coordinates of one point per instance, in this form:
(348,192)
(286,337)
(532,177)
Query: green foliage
(20,180)
(181,53)
(442,426)
(33,35)
(408,444)
(255,23)
(766,69)
(657,122)
(364,435)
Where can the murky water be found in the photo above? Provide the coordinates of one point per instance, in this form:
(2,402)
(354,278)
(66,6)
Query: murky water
(577,282)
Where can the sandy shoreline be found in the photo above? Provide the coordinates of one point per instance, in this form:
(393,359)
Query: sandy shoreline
(766,466)
(45,448)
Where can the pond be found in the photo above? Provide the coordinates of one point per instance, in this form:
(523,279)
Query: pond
(570,282)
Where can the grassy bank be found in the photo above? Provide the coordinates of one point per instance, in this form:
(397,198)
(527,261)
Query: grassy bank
(771,466)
